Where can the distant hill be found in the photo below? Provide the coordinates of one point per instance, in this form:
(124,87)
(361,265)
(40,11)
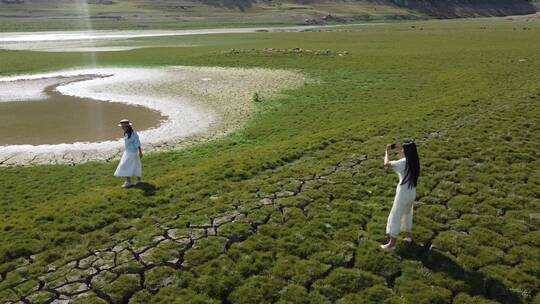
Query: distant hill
(468,8)
(20,15)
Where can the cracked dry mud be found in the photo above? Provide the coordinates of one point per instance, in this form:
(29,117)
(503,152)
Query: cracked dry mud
(147,264)
(88,275)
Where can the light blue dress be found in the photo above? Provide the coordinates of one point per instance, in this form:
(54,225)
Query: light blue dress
(132,143)
(130,163)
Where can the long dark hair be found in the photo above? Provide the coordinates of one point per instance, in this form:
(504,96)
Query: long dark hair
(129,131)
(412,167)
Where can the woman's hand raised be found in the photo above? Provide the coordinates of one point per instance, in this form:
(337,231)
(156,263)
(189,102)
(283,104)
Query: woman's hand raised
(387,157)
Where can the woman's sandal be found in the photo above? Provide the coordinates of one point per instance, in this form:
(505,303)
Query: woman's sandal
(388,248)
(408,239)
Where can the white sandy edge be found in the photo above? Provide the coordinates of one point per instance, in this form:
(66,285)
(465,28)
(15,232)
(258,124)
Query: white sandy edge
(184,118)
(89,49)
(95,35)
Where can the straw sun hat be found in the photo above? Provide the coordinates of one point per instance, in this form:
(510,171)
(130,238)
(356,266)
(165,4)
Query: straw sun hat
(123,121)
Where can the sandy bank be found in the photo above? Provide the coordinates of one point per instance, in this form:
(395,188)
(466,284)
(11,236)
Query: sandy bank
(200,102)
(82,41)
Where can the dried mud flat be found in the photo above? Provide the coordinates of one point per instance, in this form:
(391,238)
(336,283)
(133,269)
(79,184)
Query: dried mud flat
(201,103)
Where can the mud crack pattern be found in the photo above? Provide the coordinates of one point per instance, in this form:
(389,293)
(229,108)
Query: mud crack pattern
(314,238)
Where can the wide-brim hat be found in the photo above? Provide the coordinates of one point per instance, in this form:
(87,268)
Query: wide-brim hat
(124,121)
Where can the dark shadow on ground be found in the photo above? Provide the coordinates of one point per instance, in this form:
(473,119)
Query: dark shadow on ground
(147,188)
(479,284)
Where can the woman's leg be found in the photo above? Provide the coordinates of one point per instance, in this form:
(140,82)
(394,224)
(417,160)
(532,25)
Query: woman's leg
(391,228)
(393,224)
(407,217)
(407,222)
(127,184)
(390,245)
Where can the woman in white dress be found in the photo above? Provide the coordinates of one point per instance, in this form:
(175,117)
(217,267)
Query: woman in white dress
(408,170)
(130,164)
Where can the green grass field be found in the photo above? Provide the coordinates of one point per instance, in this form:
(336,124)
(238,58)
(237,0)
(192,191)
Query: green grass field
(291,209)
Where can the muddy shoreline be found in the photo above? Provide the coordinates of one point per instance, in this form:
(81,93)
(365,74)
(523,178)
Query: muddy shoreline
(61,119)
(201,103)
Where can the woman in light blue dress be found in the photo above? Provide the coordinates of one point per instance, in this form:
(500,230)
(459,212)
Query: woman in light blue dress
(408,170)
(130,163)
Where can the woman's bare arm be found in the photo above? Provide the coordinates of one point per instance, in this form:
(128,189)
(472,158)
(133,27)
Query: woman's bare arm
(387,157)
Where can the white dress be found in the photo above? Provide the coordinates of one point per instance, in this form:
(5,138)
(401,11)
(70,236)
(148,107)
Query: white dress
(401,215)
(130,163)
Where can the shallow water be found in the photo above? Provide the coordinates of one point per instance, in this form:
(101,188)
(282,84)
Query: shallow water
(76,41)
(67,119)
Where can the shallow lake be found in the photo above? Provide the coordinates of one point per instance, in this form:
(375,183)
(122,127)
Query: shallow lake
(66,119)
